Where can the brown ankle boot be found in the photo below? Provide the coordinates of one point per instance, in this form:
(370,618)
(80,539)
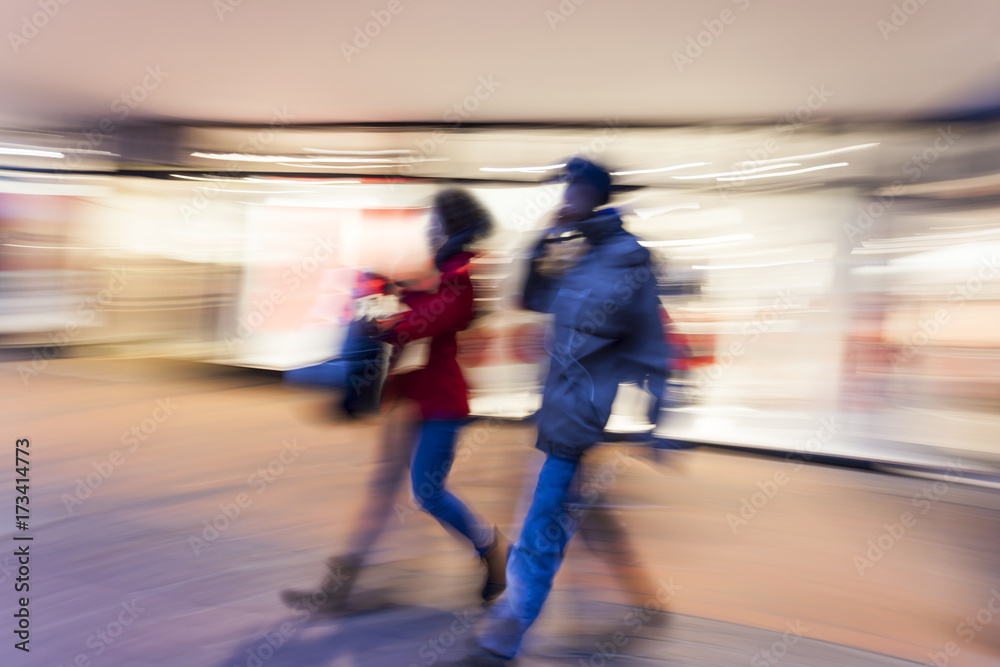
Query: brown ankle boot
(331,595)
(495,559)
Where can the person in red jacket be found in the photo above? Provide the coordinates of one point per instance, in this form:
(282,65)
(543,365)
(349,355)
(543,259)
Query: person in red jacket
(424,407)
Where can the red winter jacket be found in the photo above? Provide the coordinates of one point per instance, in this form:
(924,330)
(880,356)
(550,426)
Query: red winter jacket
(439,388)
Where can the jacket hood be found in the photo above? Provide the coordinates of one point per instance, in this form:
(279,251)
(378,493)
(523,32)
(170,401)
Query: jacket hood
(602,224)
(456,244)
(605,228)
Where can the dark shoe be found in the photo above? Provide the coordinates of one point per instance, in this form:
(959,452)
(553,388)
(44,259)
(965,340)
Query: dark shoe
(332,594)
(495,559)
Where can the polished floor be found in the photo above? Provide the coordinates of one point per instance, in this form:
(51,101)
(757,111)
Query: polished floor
(171,503)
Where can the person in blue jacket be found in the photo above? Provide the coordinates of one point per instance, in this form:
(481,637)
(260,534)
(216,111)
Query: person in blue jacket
(607,330)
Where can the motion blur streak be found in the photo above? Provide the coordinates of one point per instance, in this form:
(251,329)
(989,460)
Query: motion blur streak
(819,316)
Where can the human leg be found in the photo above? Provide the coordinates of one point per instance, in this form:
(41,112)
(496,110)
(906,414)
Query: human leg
(396,443)
(432,461)
(398,437)
(535,558)
(602,530)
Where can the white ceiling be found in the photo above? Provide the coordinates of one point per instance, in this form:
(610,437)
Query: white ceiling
(605,60)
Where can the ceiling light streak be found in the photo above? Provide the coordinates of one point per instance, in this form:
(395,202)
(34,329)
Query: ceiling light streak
(786,173)
(660,169)
(246,157)
(646,213)
(30,152)
(743,171)
(525,169)
(812,155)
(730,238)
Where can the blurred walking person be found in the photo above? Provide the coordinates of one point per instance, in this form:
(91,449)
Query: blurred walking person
(607,330)
(423,410)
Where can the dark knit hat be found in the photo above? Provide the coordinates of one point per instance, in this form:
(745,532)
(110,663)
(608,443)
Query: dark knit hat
(582,170)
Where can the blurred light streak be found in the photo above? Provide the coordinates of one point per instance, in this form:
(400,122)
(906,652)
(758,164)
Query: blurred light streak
(953,188)
(309,181)
(246,157)
(692,242)
(30,152)
(547,167)
(210,179)
(306,165)
(646,213)
(90,151)
(786,173)
(54,189)
(721,174)
(56,247)
(812,155)
(396,151)
(660,169)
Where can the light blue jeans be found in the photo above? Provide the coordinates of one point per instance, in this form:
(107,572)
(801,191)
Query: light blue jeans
(535,559)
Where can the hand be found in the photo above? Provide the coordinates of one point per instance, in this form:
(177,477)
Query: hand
(559,256)
(383,325)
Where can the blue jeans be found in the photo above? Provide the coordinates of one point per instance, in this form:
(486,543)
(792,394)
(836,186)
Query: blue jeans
(535,558)
(432,459)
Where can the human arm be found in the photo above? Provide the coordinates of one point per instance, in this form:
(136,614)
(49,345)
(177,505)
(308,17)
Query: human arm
(449,308)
